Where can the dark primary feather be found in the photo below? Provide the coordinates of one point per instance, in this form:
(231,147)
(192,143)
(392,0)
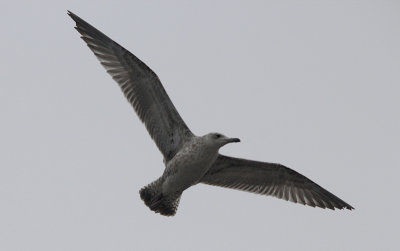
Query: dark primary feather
(141,87)
(270,179)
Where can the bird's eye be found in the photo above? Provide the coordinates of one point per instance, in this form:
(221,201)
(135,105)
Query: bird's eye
(218,136)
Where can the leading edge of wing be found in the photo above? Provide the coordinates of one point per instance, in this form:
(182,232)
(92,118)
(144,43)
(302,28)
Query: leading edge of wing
(141,87)
(270,179)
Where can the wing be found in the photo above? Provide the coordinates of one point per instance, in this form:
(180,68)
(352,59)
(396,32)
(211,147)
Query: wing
(270,179)
(141,87)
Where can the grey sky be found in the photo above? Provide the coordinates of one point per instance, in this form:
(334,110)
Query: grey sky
(312,85)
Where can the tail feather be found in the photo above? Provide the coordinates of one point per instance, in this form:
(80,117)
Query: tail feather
(157,202)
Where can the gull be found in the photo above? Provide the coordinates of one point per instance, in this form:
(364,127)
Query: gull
(191,159)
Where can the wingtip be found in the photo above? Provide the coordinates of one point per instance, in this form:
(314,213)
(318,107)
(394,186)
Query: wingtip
(348,207)
(73,16)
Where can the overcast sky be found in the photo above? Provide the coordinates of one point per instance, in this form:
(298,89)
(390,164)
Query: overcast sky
(311,85)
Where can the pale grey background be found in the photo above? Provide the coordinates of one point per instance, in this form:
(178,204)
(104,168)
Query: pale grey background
(312,85)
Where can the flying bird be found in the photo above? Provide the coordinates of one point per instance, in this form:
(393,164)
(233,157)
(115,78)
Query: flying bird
(191,159)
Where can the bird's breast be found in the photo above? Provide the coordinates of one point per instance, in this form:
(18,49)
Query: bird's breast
(187,168)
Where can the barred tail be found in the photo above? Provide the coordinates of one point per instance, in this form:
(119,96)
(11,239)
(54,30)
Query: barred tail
(156,201)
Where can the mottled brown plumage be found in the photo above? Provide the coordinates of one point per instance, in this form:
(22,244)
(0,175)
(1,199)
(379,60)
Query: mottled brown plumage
(190,159)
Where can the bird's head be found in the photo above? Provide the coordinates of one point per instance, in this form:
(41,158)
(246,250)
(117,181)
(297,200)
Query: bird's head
(219,140)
